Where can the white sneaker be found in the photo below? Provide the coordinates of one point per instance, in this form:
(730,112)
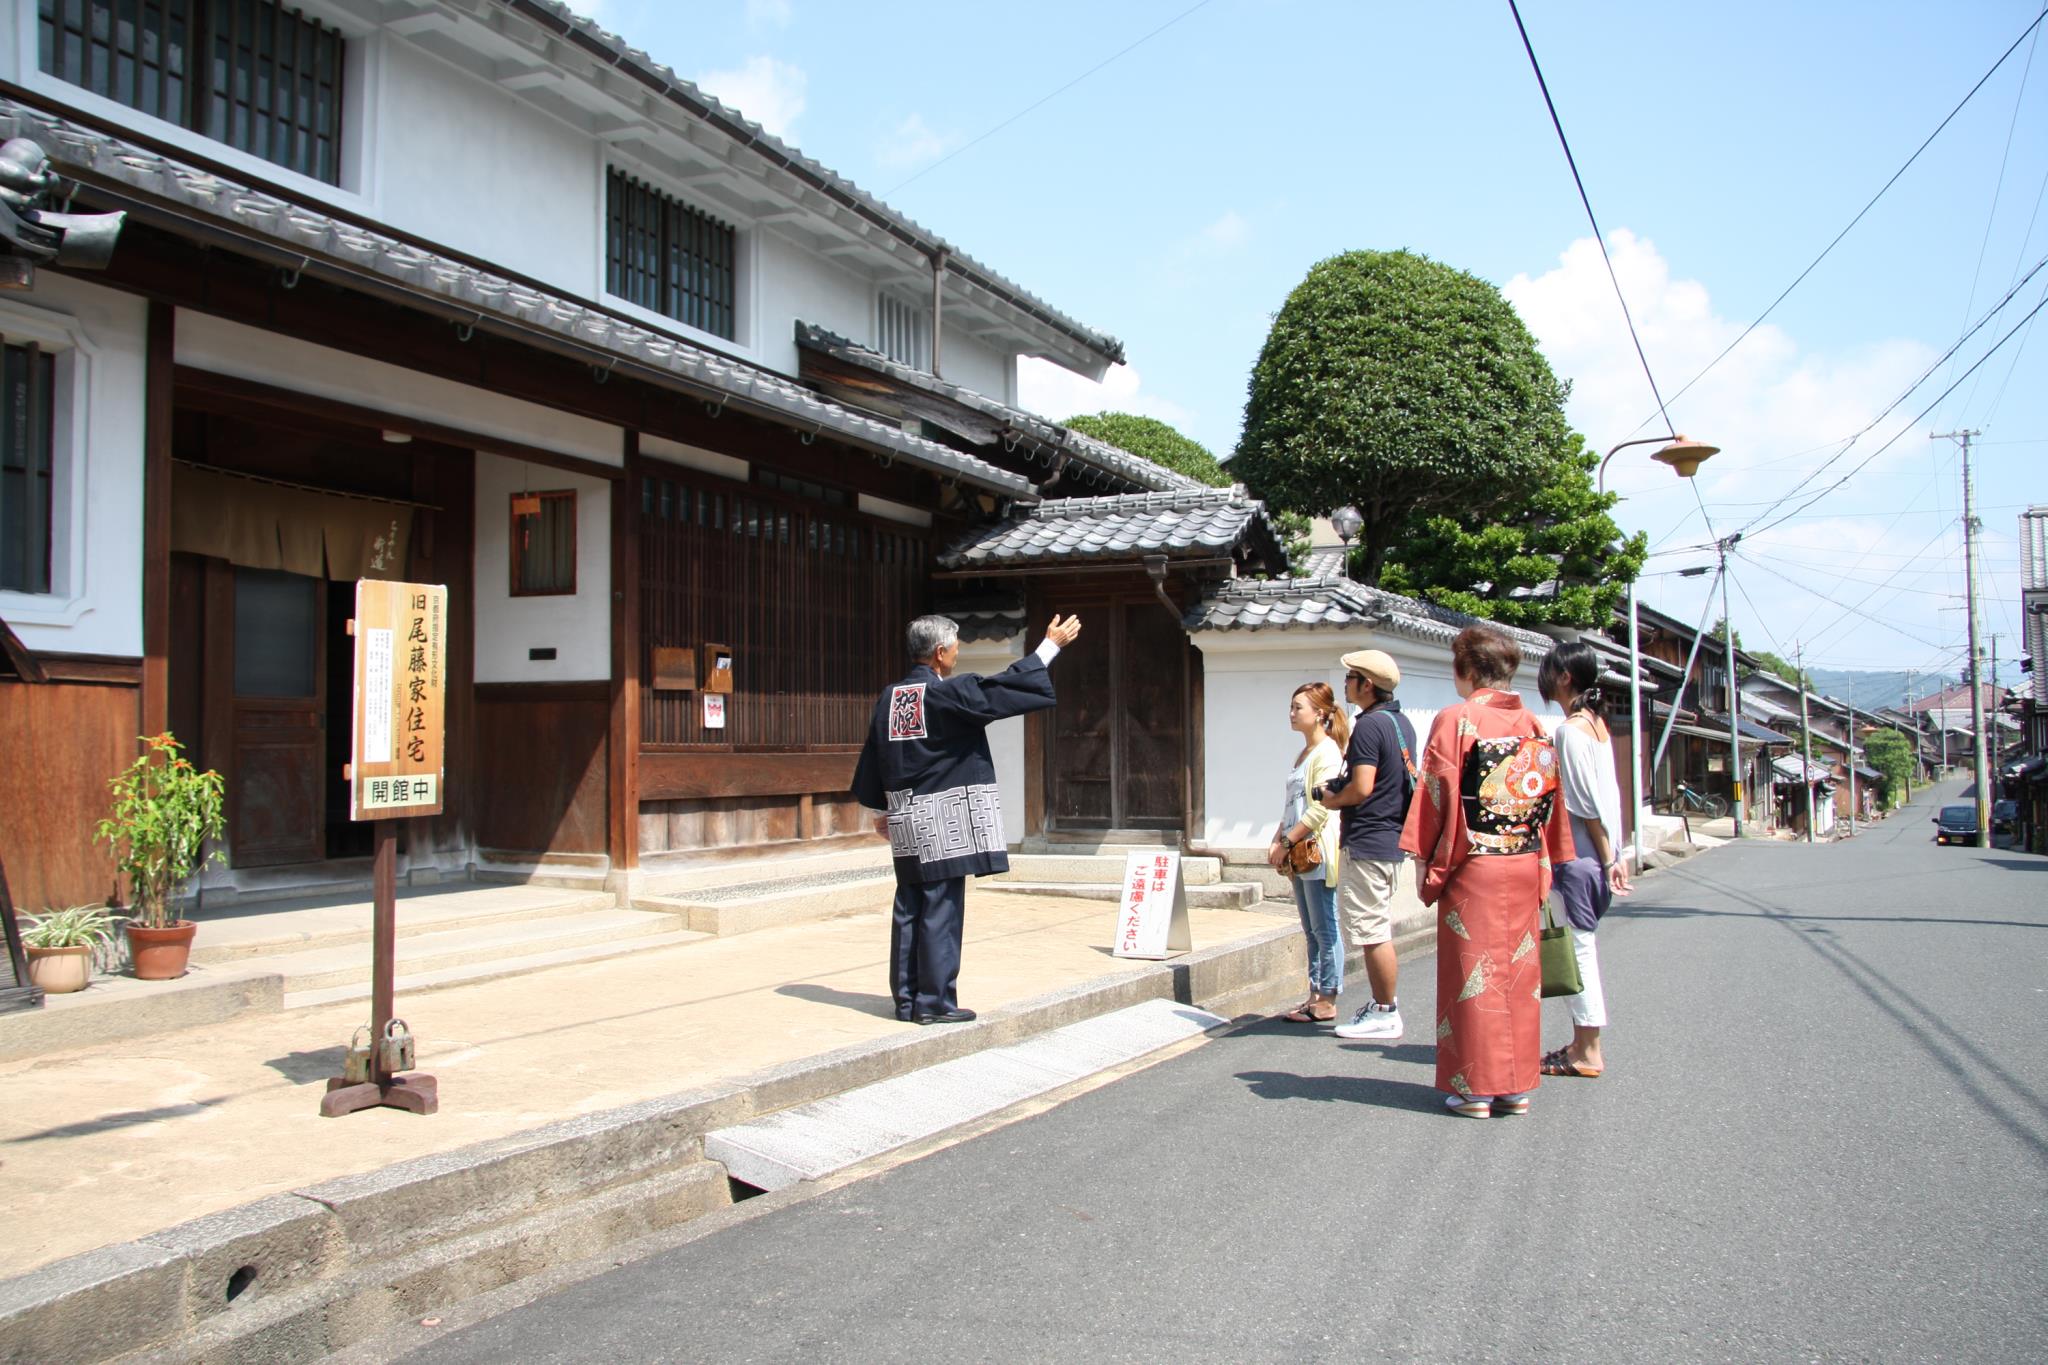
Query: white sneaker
(1373,1020)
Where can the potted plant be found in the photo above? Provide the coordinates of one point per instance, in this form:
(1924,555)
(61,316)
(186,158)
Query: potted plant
(164,812)
(61,945)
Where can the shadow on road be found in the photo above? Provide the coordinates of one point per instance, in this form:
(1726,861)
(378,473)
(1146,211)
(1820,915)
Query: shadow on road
(2019,864)
(1694,912)
(1385,1094)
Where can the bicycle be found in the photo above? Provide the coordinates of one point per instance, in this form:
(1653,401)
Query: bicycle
(1687,801)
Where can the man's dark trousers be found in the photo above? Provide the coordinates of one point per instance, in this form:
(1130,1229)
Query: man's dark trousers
(924,946)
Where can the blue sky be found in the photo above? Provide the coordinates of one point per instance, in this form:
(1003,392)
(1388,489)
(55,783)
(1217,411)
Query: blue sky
(1174,197)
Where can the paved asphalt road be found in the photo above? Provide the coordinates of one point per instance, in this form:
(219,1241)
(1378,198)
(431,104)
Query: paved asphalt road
(1823,1136)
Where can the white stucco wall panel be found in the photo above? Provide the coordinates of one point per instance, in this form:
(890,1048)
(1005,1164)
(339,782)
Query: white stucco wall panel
(794,285)
(98,337)
(578,627)
(1248,747)
(975,365)
(222,347)
(1005,737)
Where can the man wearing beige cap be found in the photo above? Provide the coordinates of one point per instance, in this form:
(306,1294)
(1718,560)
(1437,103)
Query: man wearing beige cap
(1373,792)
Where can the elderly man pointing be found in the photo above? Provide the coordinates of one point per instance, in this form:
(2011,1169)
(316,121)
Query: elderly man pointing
(926,763)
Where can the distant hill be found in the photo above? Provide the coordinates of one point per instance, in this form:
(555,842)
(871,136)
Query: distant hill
(1873,689)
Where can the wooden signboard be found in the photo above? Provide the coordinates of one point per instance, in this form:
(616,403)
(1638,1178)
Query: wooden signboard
(675,670)
(1152,913)
(717,668)
(401,683)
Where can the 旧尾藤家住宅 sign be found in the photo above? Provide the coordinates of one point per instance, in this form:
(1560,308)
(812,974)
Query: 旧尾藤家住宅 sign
(396,767)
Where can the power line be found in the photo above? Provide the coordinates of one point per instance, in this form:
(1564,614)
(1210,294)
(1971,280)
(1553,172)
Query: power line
(1875,620)
(1801,277)
(1043,100)
(1598,236)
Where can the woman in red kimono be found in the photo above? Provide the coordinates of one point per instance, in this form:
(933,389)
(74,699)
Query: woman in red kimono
(1487,823)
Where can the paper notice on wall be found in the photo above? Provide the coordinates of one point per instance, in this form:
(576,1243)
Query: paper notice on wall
(376,696)
(714,711)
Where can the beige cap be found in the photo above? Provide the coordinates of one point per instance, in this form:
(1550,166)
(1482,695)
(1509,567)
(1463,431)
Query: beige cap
(1376,664)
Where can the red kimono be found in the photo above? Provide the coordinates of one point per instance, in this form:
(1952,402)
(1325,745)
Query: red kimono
(1488,823)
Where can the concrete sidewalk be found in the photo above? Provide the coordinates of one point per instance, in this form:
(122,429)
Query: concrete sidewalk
(108,1143)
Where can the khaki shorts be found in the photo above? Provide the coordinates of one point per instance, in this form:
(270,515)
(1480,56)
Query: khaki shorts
(1365,898)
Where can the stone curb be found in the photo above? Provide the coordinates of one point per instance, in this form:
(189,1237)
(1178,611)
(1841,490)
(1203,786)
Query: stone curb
(294,1276)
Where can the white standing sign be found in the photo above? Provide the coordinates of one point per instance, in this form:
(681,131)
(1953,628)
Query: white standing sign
(1152,912)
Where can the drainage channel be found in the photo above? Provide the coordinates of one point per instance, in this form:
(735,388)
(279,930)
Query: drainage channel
(815,1140)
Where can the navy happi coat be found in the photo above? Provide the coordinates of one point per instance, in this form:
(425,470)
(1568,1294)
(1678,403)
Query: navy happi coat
(926,762)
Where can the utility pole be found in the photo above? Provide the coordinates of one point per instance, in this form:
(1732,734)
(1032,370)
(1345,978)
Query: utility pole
(1805,737)
(1734,688)
(1978,760)
(1914,766)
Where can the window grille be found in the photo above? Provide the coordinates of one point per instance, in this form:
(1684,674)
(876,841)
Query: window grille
(906,333)
(253,74)
(28,394)
(544,544)
(668,257)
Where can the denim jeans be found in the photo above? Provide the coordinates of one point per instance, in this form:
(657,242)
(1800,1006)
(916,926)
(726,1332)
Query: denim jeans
(1317,902)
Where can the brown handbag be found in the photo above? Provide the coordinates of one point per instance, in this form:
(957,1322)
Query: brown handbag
(1305,857)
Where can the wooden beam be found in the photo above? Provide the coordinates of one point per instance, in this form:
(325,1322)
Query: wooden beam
(677,775)
(159,366)
(623,765)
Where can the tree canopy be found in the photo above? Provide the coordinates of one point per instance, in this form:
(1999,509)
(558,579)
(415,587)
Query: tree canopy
(1153,440)
(1891,754)
(1410,390)
(1556,559)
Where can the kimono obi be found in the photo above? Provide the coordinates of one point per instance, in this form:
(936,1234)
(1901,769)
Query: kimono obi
(1508,786)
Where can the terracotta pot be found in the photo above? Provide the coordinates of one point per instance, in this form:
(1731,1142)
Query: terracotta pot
(159,954)
(60,971)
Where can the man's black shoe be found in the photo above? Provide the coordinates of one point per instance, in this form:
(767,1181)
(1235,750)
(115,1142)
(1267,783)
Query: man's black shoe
(949,1017)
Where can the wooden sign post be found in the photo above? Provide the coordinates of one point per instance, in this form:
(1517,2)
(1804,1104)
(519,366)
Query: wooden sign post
(21,995)
(1152,912)
(395,772)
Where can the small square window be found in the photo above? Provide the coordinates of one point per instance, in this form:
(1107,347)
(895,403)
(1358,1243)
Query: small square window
(544,544)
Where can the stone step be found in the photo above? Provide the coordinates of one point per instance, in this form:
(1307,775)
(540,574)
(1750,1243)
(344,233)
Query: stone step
(1274,884)
(1215,896)
(335,922)
(1115,842)
(316,968)
(494,968)
(723,911)
(1096,867)
(761,872)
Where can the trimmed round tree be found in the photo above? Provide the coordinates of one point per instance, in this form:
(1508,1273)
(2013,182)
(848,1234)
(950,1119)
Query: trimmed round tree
(1154,440)
(1406,388)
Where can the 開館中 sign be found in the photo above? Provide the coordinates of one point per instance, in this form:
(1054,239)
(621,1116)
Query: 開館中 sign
(401,682)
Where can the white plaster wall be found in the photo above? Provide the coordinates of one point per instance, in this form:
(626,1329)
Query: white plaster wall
(791,285)
(1248,677)
(96,530)
(976,365)
(1005,737)
(210,343)
(578,626)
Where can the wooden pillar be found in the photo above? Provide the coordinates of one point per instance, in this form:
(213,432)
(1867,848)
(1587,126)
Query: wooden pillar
(623,771)
(159,360)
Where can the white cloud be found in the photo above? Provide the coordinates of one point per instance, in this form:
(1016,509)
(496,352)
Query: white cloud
(769,92)
(914,142)
(1057,394)
(768,13)
(1775,409)
(1225,234)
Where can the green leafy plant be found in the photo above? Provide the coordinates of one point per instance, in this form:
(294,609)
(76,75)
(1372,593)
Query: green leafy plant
(74,926)
(164,812)
(1152,439)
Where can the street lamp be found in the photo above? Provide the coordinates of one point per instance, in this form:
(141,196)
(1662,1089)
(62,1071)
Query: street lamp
(1685,456)
(1346,522)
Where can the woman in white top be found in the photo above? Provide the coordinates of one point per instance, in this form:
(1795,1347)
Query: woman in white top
(1313,714)
(1569,676)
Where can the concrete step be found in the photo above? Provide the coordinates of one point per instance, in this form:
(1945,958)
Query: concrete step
(722,911)
(1117,842)
(1275,885)
(316,968)
(673,877)
(493,968)
(335,922)
(1216,896)
(1097,867)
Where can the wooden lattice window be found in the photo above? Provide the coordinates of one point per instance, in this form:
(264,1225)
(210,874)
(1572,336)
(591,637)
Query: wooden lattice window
(812,599)
(28,385)
(254,74)
(668,257)
(544,544)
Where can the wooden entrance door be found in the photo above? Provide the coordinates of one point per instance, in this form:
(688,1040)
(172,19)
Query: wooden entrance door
(277,793)
(1117,752)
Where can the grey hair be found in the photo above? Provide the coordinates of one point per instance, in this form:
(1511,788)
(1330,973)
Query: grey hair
(930,634)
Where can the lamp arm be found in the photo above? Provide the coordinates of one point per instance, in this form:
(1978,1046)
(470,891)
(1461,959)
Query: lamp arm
(1601,482)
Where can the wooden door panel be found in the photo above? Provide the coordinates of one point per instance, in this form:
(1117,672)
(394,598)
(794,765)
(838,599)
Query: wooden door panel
(279,805)
(1152,705)
(277,795)
(1081,749)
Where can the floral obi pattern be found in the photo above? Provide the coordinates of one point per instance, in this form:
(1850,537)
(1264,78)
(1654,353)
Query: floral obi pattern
(1507,787)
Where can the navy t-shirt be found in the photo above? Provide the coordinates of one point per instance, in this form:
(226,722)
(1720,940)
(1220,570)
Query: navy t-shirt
(1372,828)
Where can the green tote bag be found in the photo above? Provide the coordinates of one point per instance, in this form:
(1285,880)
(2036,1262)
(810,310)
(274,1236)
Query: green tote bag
(1560,963)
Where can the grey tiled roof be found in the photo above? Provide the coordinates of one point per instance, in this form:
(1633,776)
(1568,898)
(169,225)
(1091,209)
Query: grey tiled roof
(305,239)
(1191,523)
(1334,602)
(615,51)
(1326,561)
(988,616)
(1114,461)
